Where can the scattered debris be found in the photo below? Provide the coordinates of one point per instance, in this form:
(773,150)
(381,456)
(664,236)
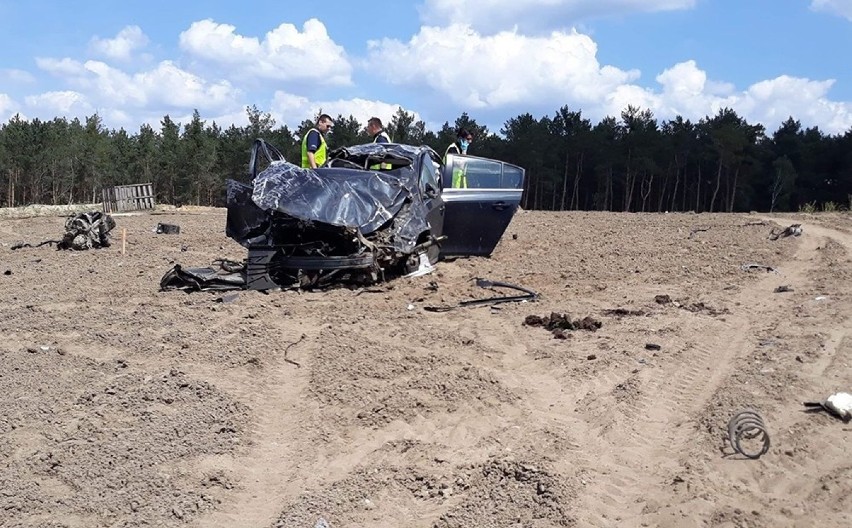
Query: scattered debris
(662,299)
(362,291)
(652,346)
(560,333)
(751,266)
(792,230)
(87,231)
(783,289)
(621,312)
(167,229)
(558,323)
(82,231)
(528,295)
(701,307)
(228,298)
(748,425)
(203,279)
(7,272)
(291,345)
(821,298)
(701,229)
(698,230)
(21,245)
(838,404)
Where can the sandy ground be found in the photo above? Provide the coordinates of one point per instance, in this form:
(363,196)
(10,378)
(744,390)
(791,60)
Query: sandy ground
(126,406)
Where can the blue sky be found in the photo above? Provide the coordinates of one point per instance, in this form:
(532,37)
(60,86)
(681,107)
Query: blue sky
(134,61)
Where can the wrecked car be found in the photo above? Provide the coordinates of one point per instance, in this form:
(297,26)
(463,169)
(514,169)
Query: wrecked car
(371,212)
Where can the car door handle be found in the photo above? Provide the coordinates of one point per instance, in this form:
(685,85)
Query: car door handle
(499,206)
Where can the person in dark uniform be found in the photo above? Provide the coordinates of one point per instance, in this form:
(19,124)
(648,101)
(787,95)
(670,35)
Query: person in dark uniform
(314,147)
(377,131)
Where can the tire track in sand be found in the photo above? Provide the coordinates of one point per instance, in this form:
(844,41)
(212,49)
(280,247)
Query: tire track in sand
(660,422)
(278,442)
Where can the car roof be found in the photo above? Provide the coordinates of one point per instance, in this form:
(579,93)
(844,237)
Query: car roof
(398,150)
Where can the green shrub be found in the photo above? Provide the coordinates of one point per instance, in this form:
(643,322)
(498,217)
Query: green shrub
(809,207)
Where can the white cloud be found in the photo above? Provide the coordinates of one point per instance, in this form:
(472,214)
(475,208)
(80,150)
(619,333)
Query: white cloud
(60,67)
(292,109)
(165,85)
(835,7)
(476,71)
(772,101)
(63,103)
(170,85)
(8,107)
(13,75)
(535,15)
(128,40)
(284,54)
(687,92)
(505,73)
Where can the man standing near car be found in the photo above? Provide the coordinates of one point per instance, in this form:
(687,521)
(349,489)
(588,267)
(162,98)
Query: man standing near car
(459,146)
(377,131)
(314,147)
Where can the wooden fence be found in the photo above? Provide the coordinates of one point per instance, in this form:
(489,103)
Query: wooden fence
(128,197)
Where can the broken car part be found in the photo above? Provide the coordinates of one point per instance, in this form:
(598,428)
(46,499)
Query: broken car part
(202,279)
(82,231)
(747,425)
(167,229)
(528,295)
(838,404)
(749,267)
(792,230)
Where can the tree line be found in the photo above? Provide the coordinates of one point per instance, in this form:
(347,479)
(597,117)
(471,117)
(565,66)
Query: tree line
(626,163)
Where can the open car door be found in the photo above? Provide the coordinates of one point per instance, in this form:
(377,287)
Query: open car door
(481,196)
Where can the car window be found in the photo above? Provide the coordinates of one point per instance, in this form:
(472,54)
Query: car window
(479,173)
(513,177)
(428,174)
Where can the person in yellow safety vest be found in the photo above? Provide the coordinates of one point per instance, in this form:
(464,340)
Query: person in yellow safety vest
(314,147)
(377,131)
(463,140)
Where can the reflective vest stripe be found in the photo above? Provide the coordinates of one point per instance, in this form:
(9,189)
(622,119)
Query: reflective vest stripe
(378,166)
(382,134)
(459,174)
